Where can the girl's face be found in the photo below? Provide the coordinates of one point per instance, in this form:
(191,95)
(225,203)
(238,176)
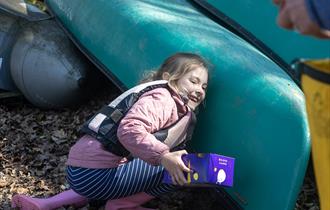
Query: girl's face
(192,85)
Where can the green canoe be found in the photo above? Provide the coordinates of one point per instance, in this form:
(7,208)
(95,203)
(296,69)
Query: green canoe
(258,17)
(254,111)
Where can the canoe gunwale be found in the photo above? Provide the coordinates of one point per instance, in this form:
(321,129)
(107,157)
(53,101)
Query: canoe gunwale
(227,200)
(222,19)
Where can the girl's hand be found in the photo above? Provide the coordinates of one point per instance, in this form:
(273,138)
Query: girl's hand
(175,166)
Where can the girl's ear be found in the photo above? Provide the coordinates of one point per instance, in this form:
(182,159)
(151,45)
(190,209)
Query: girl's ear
(166,76)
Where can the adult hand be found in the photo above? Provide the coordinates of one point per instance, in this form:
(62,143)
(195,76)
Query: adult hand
(175,166)
(293,14)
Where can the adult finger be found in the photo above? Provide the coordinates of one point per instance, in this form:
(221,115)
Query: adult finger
(277,2)
(307,27)
(322,34)
(283,19)
(325,34)
(313,29)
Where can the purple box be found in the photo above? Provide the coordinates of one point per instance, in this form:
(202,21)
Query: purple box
(208,169)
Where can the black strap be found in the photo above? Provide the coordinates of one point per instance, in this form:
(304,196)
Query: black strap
(315,74)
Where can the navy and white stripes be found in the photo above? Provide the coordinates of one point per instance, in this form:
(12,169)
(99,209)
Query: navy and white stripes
(111,183)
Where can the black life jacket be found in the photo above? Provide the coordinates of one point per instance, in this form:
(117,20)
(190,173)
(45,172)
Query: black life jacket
(104,124)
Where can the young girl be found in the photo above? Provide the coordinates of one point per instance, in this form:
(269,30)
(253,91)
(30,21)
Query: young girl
(97,174)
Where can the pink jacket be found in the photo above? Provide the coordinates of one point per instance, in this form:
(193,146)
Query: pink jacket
(154,110)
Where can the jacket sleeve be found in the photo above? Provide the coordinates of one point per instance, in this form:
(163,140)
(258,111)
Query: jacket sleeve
(150,113)
(319,11)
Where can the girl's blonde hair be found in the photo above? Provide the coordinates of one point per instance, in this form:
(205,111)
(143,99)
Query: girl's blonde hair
(176,66)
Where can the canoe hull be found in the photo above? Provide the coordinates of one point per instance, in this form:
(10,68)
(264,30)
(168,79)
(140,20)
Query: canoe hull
(254,111)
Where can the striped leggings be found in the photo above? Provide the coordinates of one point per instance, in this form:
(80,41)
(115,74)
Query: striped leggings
(112,183)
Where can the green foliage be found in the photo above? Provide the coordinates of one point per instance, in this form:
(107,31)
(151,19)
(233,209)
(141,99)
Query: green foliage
(38,3)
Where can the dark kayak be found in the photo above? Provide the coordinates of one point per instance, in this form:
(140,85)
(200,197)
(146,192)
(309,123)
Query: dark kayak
(38,60)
